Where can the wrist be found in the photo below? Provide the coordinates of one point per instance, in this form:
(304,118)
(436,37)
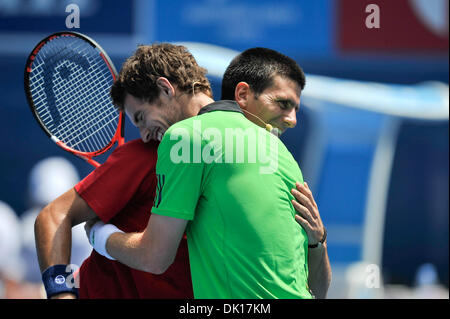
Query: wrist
(99,235)
(322,242)
(57,280)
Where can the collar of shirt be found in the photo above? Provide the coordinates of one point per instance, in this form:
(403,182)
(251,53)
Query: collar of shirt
(224,105)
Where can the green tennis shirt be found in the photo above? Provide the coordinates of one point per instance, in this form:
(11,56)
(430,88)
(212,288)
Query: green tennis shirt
(232,180)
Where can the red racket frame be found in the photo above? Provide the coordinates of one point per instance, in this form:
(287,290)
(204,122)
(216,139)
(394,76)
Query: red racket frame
(119,134)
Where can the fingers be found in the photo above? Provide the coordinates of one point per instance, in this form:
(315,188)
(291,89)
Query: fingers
(305,203)
(311,195)
(88,226)
(304,189)
(304,213)
(303,222)
(87,230)
(302,210)
(91,222)
(308,213)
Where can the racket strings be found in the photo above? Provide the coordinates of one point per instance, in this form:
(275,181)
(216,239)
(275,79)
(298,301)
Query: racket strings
(100,119)
(80,82)
(64,137)
(95,120)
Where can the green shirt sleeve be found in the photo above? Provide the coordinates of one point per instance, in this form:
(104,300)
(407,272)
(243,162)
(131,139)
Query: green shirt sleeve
(179,173)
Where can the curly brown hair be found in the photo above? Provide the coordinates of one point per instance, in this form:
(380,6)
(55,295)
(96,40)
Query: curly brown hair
(140,71)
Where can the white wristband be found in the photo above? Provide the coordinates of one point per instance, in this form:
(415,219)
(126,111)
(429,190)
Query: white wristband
(98,236)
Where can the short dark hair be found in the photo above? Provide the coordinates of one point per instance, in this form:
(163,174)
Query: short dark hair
(257,67)
(140,71)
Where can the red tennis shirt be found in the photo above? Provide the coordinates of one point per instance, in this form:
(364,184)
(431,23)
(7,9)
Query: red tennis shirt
(121,192)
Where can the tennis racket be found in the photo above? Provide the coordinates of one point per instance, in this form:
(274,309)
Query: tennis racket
(68,78)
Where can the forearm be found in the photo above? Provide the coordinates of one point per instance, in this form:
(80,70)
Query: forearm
(129,249)
(152,250)
(53,237)
(53,228)
(319,268)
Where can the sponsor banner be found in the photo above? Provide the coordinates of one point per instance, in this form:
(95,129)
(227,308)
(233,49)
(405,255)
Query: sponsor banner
(284,25)
(95,16)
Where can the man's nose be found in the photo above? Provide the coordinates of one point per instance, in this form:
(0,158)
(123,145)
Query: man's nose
(145,134)
(290,118)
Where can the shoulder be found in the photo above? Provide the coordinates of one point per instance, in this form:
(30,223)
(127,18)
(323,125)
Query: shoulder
(184,130)
(184,124)
(133,153)
(134,147)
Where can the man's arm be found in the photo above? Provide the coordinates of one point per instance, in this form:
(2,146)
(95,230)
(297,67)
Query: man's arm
(319,268)
(319,271)
(178,190)
(53,230)
(153,250)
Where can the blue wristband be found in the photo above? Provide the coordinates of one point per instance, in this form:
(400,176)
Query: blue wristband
(55,279)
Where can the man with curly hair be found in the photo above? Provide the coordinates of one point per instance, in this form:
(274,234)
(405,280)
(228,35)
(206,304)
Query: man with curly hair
(121,190)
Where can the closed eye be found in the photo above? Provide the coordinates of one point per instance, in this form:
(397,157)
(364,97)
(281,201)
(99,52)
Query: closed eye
(287,104)
(283,104)
(138,117)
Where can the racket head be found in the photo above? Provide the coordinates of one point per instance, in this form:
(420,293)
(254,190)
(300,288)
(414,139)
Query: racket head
(67,82)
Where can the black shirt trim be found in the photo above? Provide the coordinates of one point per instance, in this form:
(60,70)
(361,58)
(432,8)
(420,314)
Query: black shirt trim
(224,105)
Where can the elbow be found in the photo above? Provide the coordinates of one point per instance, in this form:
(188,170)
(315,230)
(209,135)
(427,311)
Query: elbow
(157,264)
(48,215)
(156,270)
(51,219)
(41,219)
(157,267)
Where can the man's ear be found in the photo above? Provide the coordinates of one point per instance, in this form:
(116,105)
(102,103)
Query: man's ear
(165,87)
(241,94)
